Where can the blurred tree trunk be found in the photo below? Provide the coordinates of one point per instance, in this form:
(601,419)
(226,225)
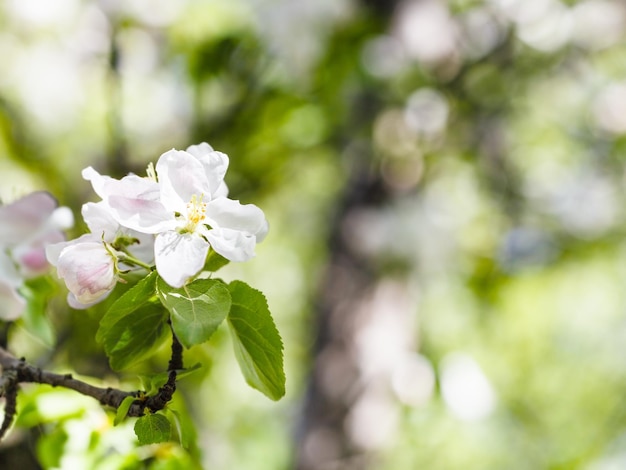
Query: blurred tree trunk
(336,382)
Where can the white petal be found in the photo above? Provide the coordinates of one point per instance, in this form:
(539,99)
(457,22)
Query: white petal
(199,150)
(232,244)
(181,176)
(226,213)
(100,220)
(222,191)
(97,180)
(215,166)
(54,251)
(179,257)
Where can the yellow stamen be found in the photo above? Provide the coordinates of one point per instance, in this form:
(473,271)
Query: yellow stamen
(150,172)
(196,211)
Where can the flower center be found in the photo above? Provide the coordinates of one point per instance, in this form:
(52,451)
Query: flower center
(196,212)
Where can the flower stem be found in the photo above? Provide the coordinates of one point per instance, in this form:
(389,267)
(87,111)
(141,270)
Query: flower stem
(126,258)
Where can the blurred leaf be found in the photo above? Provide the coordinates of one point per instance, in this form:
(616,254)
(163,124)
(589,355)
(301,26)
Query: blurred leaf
(122,410)
(36,292)
(51,447)
(153,428)
(135,325)
(184,428)
(257,343)
(197,309)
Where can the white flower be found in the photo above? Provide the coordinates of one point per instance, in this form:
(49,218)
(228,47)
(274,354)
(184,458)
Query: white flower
(28,225)
(185,205)
(87,267)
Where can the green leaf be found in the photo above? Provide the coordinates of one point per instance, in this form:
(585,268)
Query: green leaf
(134,326)
(257,343)
(196,309)
(122,410)
(153,428)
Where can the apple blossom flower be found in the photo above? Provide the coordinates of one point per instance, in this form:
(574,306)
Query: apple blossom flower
(26,227)
(184,204)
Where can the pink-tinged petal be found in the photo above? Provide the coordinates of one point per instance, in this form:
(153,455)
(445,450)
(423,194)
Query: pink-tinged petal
(215,166)
(134,202)
(24,217)
(181,176)
(232,244)
(31,257)
(141,215)
(230,214)
(88,270)
(179,257)
(11,303)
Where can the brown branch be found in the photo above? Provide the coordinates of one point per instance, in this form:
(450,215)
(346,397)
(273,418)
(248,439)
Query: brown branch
(28,373)
(8,389)
(176,362)
(16,371)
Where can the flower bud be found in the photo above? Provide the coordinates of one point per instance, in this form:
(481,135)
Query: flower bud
(88,269)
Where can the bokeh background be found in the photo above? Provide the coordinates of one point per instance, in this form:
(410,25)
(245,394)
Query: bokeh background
(445,187)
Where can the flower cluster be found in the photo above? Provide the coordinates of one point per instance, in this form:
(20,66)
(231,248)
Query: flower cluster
(171,217)
(26,227)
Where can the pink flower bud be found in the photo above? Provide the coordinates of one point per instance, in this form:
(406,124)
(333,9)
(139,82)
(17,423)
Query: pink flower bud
(88,269)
